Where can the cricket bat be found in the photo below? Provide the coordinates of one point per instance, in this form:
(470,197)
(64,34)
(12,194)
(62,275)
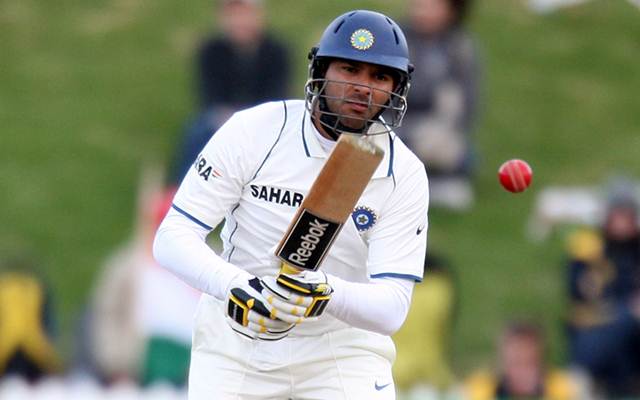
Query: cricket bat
(329,202)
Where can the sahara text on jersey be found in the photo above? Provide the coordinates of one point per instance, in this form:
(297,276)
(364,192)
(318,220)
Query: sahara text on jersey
(277,195)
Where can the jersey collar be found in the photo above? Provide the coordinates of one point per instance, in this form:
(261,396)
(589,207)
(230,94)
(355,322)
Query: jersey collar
(312,147)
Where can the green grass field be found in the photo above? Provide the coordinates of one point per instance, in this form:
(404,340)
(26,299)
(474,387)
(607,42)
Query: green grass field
(92,90)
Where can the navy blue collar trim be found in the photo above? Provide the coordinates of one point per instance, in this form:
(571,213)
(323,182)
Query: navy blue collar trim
(284,123)
(390,170)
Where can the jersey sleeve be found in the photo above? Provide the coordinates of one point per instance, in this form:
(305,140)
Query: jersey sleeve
(214,183)
(397,243)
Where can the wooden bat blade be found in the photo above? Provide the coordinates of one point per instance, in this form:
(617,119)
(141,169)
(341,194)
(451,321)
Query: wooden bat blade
(330,201)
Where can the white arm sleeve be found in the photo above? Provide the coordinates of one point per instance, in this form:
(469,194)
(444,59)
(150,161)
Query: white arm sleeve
(380,306)
(210,190)
(180,247)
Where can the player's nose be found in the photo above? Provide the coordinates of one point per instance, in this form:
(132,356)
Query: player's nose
(362,85)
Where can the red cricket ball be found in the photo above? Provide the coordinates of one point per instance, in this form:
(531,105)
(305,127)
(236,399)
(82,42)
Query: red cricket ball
(515,175)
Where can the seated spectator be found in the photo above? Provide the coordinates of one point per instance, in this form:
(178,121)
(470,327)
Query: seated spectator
(113,340)
(443,98)
(26,322)
(242,67)
(423,341)
(604,291)
(522,372)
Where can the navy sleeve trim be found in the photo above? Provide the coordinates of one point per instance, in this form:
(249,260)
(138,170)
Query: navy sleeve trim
(401,276)
(191,217)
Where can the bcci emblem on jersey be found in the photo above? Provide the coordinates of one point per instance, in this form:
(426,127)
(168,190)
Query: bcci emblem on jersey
(364,218)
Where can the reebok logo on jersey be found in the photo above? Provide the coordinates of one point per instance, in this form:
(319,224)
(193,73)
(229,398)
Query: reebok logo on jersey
(204,169)
(277,195)
(308,243)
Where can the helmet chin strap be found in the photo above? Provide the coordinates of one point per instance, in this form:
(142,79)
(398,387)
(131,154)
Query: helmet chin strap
(330,120)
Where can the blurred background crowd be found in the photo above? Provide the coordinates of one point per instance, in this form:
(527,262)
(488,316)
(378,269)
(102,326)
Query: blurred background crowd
(106,104)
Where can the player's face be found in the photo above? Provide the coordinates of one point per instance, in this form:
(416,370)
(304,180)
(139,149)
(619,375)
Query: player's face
(357,91)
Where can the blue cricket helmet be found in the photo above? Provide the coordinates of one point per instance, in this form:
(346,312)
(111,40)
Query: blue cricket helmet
(368,37)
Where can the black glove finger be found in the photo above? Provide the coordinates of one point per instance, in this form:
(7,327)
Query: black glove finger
(238,309)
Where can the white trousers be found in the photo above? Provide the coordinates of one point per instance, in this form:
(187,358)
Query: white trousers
(345,364)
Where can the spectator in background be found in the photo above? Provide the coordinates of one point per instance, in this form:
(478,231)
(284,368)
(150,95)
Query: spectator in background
(242,67)
(26,324)
(167,334)
(522,372)
(423,365)
(129,339)
(604,290)
(443,98)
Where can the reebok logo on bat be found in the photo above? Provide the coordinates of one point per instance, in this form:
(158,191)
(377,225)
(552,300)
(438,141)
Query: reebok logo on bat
(308,243)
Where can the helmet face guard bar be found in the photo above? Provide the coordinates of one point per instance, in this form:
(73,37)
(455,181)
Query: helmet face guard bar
(317,102)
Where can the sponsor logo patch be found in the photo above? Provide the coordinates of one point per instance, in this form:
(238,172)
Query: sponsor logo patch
(277,195)
(204,169)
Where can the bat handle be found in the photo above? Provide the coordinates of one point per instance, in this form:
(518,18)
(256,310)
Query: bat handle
(288,269)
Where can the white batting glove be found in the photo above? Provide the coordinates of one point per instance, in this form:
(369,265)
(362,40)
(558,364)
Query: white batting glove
(297,296)
(249,314)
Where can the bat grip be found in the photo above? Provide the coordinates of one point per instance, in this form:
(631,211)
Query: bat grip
(288,269)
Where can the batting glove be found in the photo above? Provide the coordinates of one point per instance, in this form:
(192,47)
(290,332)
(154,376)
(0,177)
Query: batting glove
(297,295)
(249,314)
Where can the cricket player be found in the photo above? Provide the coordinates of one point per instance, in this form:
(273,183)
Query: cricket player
(326,333)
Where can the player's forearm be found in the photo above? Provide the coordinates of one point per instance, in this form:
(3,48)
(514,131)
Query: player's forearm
(380,306)
(180,247)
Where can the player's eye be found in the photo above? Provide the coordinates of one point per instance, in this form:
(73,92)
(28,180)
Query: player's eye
(382,77)
(349,68)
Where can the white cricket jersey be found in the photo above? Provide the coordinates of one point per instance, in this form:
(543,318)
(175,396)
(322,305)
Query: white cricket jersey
(255,172)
